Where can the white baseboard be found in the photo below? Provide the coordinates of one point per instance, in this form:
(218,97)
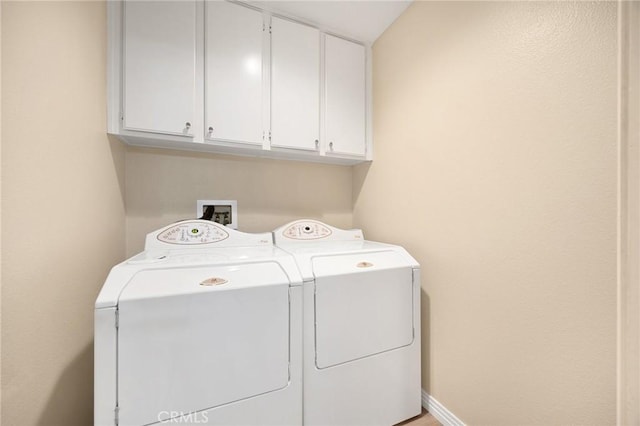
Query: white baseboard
(439,411)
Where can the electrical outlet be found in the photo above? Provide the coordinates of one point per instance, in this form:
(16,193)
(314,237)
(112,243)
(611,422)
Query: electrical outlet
(224,212)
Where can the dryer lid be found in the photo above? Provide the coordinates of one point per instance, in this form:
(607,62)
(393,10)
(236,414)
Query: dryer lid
(363,305)
(352,263)
(167,282)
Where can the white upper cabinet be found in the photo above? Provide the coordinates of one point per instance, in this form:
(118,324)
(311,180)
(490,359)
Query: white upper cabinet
(233,73)
(295,85)
(345,97)
(229,77)
(159,67)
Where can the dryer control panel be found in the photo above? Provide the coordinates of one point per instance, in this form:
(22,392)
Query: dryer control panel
(312,230)
(307,231)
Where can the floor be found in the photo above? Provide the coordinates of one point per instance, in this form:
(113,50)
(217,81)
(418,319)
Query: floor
(424,419)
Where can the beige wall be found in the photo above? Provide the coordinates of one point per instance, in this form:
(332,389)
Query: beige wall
(629,294)
(495,165)
(163,186)
(62,207)
(0,213)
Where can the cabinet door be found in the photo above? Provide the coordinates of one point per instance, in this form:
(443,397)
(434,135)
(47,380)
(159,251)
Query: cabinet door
(295,85)
(159,66)
(345,96)
(233,77)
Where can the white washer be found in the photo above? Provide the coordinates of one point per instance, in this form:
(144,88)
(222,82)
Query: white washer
(361,326)
(203,327)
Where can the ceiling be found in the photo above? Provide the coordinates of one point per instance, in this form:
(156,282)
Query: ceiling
(363,20)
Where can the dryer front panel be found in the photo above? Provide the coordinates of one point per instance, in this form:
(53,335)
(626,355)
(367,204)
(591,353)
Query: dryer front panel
(196,338)
(363,306)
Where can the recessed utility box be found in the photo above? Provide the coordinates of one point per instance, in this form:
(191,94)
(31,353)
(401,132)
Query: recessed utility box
(224,212)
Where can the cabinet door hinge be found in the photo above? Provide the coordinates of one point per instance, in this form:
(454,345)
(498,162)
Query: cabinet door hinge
(269,29)
(121,117)
(269,135)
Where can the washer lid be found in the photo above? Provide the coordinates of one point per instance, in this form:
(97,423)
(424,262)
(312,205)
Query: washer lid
(190,339)
(167,282)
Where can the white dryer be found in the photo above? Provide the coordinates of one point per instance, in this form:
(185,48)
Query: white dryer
(203,327)
(361,326)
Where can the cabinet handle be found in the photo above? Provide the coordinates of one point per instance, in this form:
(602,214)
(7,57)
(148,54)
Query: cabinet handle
(317,143)
(187,126)
(210,129)
(331,146)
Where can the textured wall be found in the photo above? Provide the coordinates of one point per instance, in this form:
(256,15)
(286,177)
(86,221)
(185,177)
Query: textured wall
(62,207)
(0,213)
(495,165)
(163,186)
(629,290)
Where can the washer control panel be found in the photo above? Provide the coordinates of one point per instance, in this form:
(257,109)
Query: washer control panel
(192,232)
(197,234)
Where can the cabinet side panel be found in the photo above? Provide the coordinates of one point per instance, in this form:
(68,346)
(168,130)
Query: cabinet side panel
(114,65)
